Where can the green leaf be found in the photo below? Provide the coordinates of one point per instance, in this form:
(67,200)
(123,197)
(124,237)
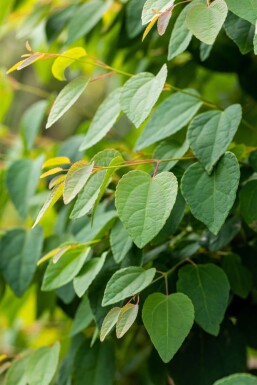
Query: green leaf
(65,269)
(42,365)
(173,221)
(106,180)
(226,234)
(104,119)
(170,149)
(248,204)
(255,41)
(168,320)
(126,283)
(20,251)
(65,60)
(246,10)
(85,18)
(21,180)
(205,51)
(88,273)
(120,241)
(171,115)
(180,36)
(158,5)
(133,17)
(90,193)
(239,277)
(76,178)
(126,318)
(238,379)
(53,197)
(140,93)
(139,206)
(210,133)
(94,365)
(208,288)
(240,31)
(211,197)
(66,98)
(16,373)
(83,317)
(205,21)
(109,321)
(57,21)
(31,122)
(103,221)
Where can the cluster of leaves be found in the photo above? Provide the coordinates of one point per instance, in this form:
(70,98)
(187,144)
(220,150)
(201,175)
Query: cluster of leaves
(161,246)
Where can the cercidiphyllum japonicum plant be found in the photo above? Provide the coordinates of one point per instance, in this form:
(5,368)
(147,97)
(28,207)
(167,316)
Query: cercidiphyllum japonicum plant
(153,231)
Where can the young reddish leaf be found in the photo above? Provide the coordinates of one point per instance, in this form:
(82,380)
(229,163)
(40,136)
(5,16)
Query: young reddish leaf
(163,22)
(32,59)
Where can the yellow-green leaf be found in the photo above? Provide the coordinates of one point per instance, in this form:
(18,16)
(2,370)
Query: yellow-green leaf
(76,179)
(57,161)
(53,171)
(65,60)
(53,197)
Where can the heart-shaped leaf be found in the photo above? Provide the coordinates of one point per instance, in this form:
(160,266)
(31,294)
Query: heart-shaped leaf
(144,203)
(205,21)
(211,197)
(168,320)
